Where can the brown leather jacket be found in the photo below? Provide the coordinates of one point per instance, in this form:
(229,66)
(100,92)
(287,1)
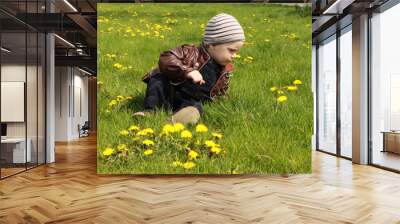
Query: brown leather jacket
(176,63)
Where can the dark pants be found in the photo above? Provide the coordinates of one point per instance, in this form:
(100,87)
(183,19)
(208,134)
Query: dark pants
(161,94)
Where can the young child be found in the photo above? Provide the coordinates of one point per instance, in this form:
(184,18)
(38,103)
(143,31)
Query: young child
(187,75)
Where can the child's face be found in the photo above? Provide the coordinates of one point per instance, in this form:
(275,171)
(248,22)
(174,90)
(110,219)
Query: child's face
(224,53)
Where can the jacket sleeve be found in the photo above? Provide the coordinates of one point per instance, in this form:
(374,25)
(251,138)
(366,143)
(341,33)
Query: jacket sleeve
(171,62)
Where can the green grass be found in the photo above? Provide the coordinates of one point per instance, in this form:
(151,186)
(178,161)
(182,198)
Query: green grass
(259,136)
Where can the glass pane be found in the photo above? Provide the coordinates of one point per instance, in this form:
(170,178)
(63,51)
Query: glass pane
(41,98)
(13,86)
(385,89)
(31,97)
(327,96)
(346,92)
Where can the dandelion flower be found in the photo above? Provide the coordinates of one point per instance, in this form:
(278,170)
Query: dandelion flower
(281,99)
(141,133)
(297,82)
(186,134)
(121,147)
(133,128)
(148,152)
(108,152)
(210,143)
(124,132)
(273,89)
(148,142)
(217,135)
(189,165)
(100,83)
(280,92)
(216,150)
(192,154)
(292,88)
(167,129)
(178,127)
(177,163)
(248,59)
(117,66)
(148,130)
(120,98)
(200,128)
(237,56)
(112,103)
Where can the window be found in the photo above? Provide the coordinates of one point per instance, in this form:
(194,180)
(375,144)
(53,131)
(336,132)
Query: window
(327,95)
(385,89)
(346,75)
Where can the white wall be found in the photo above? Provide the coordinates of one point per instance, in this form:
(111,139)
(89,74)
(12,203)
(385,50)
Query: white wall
(70,83)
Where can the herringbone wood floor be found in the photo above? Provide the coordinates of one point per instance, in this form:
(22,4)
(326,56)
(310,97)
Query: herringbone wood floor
(69,191)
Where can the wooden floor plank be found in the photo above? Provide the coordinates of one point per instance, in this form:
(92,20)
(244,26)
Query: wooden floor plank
(70,191)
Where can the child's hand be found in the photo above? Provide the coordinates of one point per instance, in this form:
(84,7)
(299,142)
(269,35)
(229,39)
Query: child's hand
(196,77)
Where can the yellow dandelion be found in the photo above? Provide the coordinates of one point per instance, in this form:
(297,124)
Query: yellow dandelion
(273,89)
(133,128)
(210,143)
(148,152)
(248,59)
(178,127)
(148,142)
(200,128)
(177,163)
(148,130)
(281,99)
(186,134)
(192,154)
(141,133)
(108,152)
(118,66)
(297,82)
(135,138)
(100,83)
(121,147)
(280,92)
(120,98)
(124,132)
(217,135)
(216,150)
(292,88)
(237,56)
(112,103)
(189,165)
(167,129)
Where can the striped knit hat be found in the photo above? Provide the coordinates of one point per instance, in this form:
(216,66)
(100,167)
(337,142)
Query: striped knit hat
(223,28)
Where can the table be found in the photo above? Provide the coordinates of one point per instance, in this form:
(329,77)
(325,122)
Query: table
(391,141)
(16,147)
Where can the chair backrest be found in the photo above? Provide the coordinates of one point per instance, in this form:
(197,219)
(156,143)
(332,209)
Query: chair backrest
(86,125)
